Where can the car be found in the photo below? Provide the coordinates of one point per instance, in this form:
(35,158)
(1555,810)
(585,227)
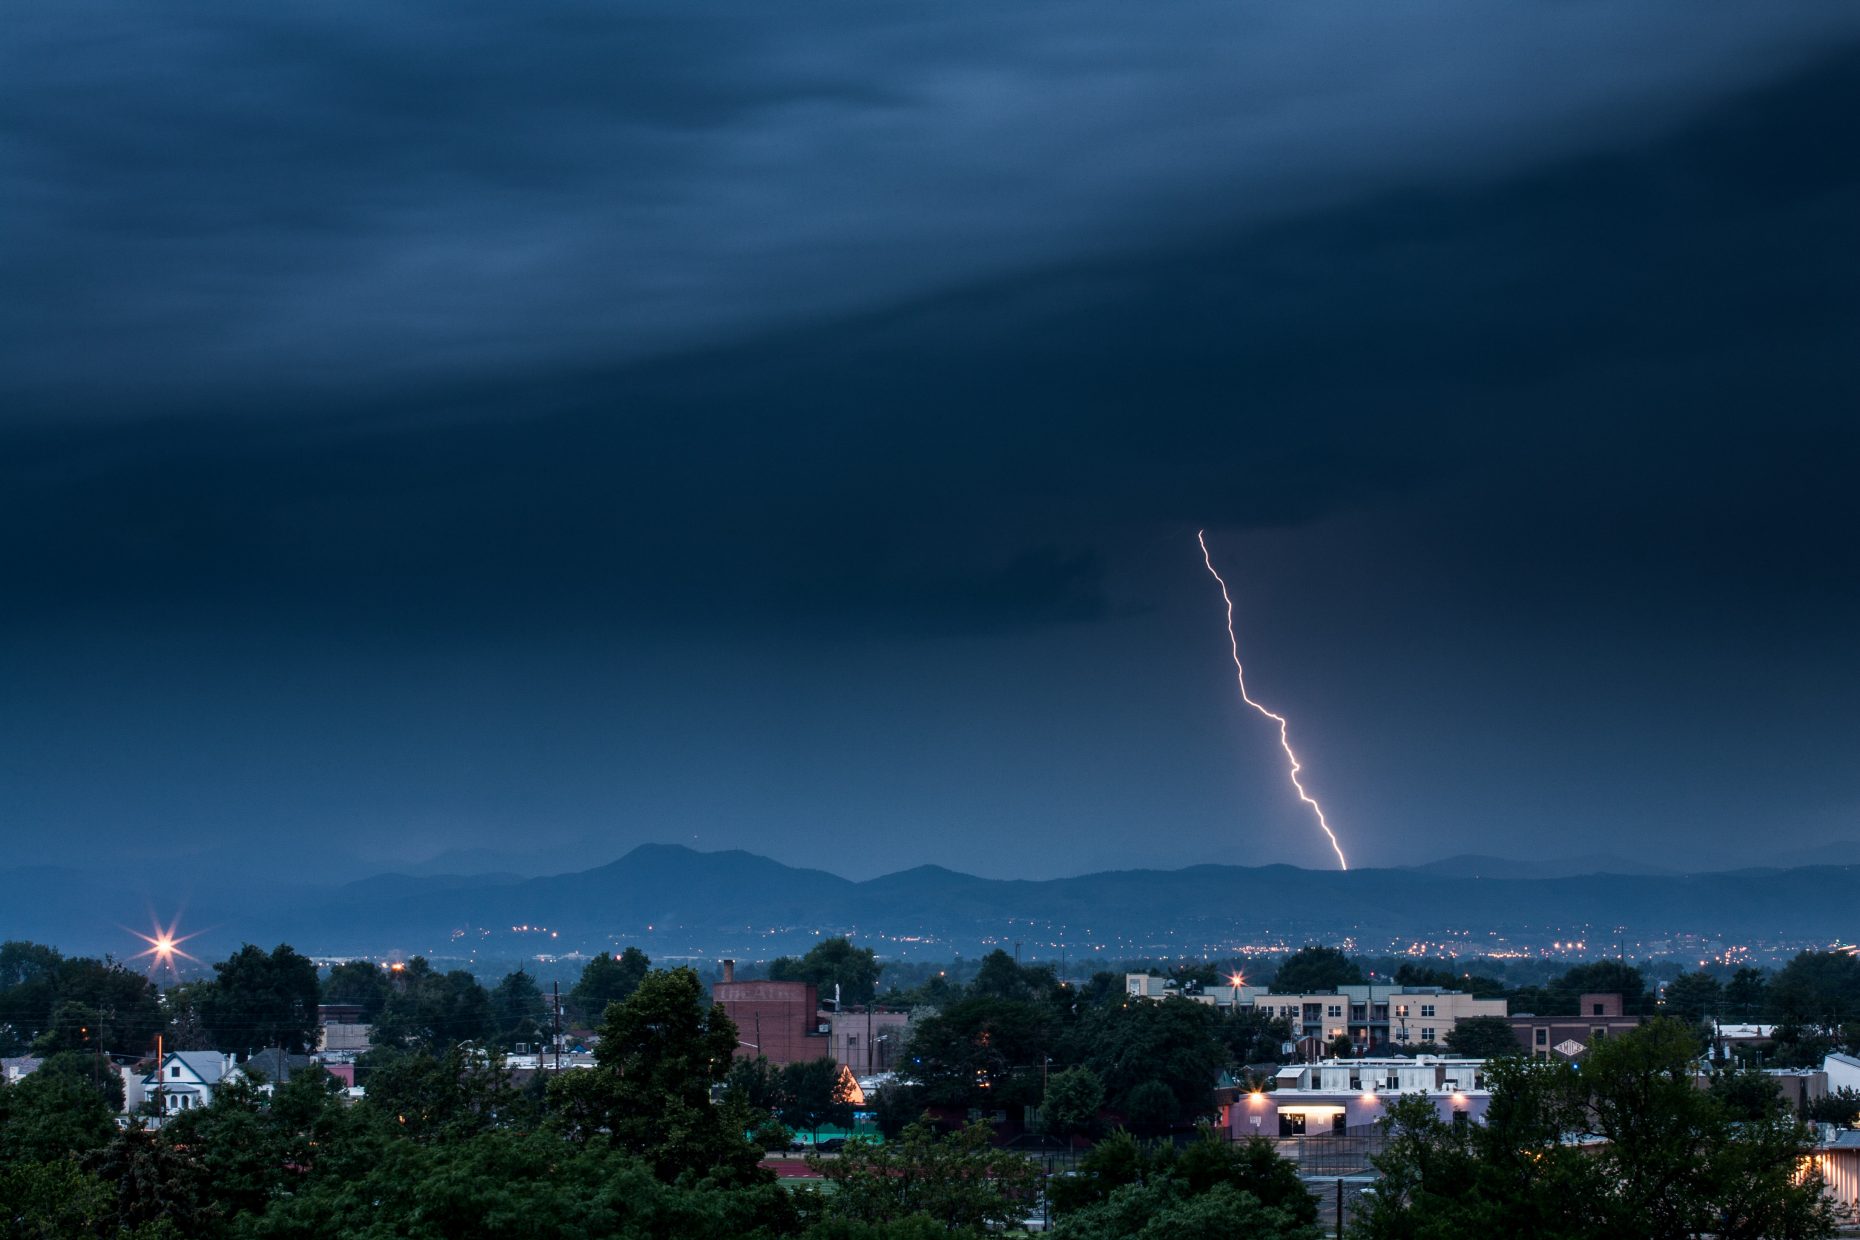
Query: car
(832,1145)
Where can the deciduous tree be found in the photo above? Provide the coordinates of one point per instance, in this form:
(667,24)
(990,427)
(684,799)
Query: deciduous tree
(262,999)
(1313,969)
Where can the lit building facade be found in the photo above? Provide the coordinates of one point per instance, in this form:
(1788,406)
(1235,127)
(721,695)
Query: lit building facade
(1338,1095)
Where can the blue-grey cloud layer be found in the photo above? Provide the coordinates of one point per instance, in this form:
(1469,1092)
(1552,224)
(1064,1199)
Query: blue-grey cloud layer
(578,328)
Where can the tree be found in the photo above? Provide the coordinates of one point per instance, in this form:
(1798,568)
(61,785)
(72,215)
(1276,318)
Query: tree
(1675,1162)
(435,1010)
(815,1093)
(1746,995)
(1252,1166)
(361,983)
(260,1000)
(445,1096)
(1122,1183)
(1483,1037)
(518,1010)
(1692,997)
(28,992)
(1150,1108)
(753,1091)
(1000,976)
(958,1181)
(607,979)
(1170,1043)
(1164,1211)
(182,1009)
(1472,983)
(1073,1099)
(660,1052)
(1681,1163)
(54,1199)
(75,1027)
(833,962)
(1818,988)
(968,1053)
(499,1184)
(1312,969)
(52,1115)
(1252,1035)
(1602,977)
(161,1185)
(1841,1107)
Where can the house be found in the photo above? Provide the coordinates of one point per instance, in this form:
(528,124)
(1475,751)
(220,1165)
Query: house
(1563,1039)
(1337,1095)
(182,1081)
(275,1067)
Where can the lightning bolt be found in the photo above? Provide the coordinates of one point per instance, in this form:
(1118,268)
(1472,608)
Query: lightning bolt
(1285,741)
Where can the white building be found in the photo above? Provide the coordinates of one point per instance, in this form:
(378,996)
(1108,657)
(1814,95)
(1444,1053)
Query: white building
(1843,1072)
(184,1080)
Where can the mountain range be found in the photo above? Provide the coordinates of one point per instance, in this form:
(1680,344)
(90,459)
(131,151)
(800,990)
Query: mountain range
(679,902)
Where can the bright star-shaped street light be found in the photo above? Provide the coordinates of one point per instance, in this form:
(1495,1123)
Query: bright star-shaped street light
(163,946)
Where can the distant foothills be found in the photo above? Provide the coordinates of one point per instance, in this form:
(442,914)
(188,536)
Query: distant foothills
(679,902)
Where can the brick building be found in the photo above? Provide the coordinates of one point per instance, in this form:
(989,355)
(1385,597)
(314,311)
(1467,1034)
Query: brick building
(778,1020)
(1566,1038)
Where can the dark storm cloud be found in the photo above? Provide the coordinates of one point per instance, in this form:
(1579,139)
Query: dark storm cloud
(1625,364)
(221,200)
(495,422)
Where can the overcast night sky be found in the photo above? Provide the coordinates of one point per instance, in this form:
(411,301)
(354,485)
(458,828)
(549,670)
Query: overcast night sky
(554,427)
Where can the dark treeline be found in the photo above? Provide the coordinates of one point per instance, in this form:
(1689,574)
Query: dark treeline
(665,1135)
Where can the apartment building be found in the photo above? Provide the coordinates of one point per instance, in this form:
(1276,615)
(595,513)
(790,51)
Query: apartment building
(1370,1015)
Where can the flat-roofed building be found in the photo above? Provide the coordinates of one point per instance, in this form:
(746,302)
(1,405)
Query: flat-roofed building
(1370,1015)
(1336,1095)
(1562,1039)
(781,1021)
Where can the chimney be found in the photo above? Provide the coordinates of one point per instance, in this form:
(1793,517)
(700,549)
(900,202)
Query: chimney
(729,970)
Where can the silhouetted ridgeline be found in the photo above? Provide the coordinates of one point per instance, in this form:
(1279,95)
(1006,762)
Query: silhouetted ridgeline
(736,902)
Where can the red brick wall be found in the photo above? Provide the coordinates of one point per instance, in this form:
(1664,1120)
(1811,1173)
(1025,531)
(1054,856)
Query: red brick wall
(780,1017)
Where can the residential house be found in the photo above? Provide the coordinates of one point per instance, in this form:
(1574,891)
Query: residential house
(182,1081)
(274,1067)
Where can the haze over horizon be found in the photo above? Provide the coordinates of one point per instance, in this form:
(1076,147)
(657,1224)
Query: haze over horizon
(552,430)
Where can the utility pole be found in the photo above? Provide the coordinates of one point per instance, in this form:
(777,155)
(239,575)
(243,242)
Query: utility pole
(556,1007)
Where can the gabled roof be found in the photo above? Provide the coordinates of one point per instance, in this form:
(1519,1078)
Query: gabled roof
(207,1066)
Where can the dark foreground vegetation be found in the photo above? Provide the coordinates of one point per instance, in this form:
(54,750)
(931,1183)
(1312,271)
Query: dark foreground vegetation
(665,1136)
